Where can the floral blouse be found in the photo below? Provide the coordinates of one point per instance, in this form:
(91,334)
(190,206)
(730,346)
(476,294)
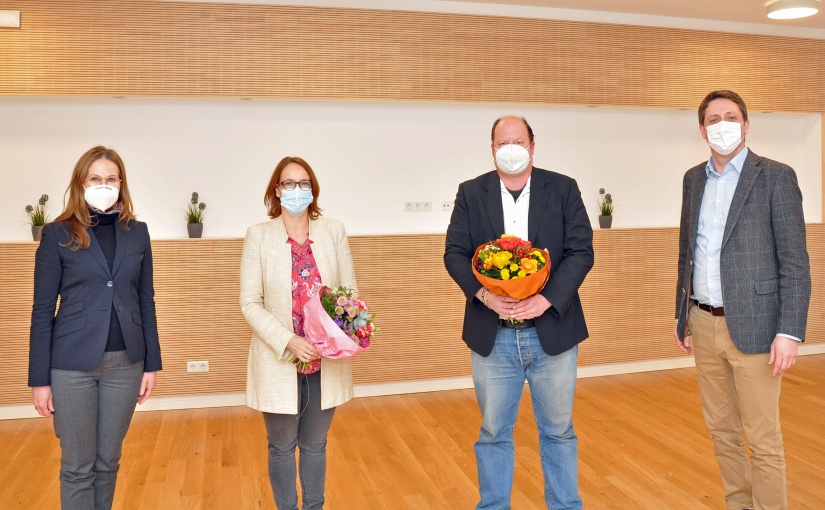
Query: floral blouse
(306,282)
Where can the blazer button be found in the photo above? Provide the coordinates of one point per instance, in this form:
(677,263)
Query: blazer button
(119,308)
(109,283)
(691,262)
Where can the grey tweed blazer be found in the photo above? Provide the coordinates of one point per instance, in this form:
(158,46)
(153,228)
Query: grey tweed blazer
(766,275)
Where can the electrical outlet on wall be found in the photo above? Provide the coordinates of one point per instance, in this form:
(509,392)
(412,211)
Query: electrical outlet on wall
(417,206)
(197,366)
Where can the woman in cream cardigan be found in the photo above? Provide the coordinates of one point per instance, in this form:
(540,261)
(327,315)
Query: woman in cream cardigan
(285,262)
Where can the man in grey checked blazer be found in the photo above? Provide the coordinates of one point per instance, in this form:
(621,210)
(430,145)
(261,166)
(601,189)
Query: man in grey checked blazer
(742,298)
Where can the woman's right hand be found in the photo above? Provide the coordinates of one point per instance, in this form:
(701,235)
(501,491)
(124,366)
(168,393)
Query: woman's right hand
(42,399)
(303,350)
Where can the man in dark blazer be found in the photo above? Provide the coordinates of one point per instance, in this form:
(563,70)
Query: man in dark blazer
(742,298)
(545,208)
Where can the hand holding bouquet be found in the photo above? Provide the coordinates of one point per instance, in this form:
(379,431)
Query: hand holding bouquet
(511,266)
(338,323)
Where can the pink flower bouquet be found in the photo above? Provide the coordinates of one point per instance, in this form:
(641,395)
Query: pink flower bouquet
(338,323)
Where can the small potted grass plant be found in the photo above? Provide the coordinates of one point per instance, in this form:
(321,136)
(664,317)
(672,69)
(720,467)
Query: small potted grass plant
(605,209)
(194,216)
(37,216)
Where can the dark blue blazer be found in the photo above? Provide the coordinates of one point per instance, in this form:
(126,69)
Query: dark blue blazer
(76,337)
(557,221)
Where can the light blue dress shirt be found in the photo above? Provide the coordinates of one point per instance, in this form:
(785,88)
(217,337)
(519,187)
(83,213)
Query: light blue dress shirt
(719,190)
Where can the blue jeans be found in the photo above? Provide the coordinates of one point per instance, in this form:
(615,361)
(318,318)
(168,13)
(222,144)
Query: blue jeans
(499,382)
(308,431)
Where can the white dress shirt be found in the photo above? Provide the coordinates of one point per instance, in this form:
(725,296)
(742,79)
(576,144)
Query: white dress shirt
(516,211)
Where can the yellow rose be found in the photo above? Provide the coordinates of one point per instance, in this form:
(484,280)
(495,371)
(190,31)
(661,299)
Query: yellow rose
(488,263)
(502,258)
(505,274)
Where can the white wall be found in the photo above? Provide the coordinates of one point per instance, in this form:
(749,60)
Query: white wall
(370,157)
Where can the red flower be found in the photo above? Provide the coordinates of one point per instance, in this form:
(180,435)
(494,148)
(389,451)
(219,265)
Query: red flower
(510,243)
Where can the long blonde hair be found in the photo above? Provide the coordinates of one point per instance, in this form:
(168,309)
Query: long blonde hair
(76,214)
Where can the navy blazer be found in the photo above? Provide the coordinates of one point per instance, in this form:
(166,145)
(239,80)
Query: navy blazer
(76,337)
(557,221)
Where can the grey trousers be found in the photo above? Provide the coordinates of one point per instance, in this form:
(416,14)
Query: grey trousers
(92,412)
(308,431)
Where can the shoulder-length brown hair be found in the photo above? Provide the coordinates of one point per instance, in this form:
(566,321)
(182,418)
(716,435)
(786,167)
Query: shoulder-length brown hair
(271,200)
(76,214)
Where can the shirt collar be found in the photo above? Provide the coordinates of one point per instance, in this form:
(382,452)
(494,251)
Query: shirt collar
(735,164)
(525,189)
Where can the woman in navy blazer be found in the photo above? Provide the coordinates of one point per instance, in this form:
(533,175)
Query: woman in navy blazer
(98,356)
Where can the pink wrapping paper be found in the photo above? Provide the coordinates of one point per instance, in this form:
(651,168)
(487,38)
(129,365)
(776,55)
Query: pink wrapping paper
(322,332)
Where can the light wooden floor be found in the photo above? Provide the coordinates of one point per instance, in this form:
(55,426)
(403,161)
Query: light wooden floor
(642,445)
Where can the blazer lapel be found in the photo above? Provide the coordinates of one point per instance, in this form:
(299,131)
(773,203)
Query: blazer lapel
(495,211)
(319,239)
(750,171)
(539,195)
(697,191)
(276,254)
(121,242)
(97,252)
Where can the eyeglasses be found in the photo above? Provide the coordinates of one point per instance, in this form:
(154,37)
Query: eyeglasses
(290,185)
(97,181)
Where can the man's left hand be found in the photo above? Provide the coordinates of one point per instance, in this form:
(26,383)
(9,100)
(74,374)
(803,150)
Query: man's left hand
(784,351)
(530,308)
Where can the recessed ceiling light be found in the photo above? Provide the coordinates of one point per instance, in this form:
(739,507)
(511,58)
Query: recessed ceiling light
(793,9)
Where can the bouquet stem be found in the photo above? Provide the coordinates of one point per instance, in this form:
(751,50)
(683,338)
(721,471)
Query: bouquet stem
(302,365)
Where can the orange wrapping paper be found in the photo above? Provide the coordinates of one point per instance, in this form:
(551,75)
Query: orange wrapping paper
(519,288)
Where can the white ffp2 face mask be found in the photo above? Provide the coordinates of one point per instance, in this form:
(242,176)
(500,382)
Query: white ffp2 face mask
(512,158)
(724,136)
(101,197)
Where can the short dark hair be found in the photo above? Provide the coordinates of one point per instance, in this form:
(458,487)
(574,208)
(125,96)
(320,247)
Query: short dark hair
(495,124)
(271,200)
(722,94)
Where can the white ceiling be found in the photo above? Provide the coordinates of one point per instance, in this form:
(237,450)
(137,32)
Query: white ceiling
(741,11)
(739,16)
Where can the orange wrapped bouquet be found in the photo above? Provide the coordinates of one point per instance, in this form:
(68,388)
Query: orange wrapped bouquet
(511,266)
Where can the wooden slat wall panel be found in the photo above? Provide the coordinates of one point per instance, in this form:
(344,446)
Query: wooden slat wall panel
(16,277)
(419,310)
(816,313)
(628,300)
(149,48)
(199,318)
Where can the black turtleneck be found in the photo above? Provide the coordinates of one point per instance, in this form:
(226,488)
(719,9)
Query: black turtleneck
(104,227)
